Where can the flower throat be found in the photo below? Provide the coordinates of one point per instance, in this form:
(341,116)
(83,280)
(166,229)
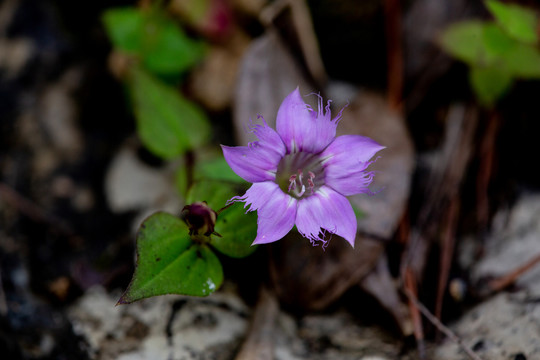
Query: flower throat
(300,174)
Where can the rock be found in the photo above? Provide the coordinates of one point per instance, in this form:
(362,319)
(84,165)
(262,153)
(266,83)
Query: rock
(14,55)
(505,326)
(333,336)
(514,241)
(497,329)
(132,185)
(57,113)
(164,327)
(181,327)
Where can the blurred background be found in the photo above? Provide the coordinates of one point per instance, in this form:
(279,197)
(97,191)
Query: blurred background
(110,110)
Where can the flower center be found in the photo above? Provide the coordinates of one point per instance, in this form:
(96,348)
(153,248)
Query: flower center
(300,174)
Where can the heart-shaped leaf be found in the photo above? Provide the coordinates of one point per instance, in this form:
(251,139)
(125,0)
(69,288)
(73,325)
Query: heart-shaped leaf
(169,262)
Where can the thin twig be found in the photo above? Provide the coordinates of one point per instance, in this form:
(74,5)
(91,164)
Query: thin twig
(446,254)
(308,41)
(485,171)
(443,183)
(32,210)
(3,301)
(410,286)
(189,159)
(225,208)
(445,330)
(508,279)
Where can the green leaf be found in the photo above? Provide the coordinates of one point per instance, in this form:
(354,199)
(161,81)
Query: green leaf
(217,169)
(523,61)
(485,45)
(477,43)
(519,22)
(215,193)
(167,123)
(238,230)
(489,84)
(155,38)
(359,213)
(165,47)
(213,168)
(496,43)
(465,41)
(169,262)
(123,25)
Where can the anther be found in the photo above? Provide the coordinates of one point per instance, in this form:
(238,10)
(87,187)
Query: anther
(310,182)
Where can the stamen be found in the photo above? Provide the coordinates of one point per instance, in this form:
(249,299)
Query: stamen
(300,184)
(310,182)
(292,183)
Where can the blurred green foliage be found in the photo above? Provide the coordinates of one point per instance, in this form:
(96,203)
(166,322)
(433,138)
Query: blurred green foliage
(519,22)
(497,52)
(154,38)
(170,258)
(167,123)
(215,168)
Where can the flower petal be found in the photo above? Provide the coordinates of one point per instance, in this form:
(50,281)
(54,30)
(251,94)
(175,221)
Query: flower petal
(259,160)
(268,137)
(276,211)
(345,161)
(329,210)
(301,128)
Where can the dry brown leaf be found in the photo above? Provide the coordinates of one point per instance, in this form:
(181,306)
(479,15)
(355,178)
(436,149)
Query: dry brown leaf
(379,284)
(369,115)
(268,74)
(308,277)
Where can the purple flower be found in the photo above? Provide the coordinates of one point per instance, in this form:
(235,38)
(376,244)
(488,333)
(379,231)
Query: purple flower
(302,173)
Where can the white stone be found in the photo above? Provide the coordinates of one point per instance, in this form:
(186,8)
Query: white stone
(132,185)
